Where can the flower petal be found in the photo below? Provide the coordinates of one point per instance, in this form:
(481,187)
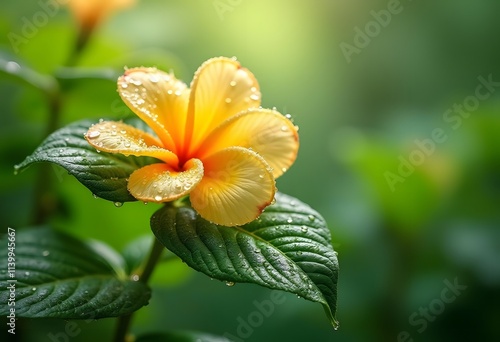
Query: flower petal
(221,88)
(159,99)
(237,186)
(265,131)
(117,137)
(161,183)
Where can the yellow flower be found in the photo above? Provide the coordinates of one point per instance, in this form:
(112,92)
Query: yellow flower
(90,12)
(214,141)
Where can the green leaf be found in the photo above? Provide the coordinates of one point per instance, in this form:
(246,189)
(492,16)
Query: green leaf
(105,174)
(184,336)
(287,248)
(59,276)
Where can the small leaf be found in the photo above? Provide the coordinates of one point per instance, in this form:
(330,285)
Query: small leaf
(287,248)
(11,68)
(105,174)
(182,336)
(59,276)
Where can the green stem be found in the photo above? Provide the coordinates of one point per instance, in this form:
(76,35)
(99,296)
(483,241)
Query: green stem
(143,276)
(46,202)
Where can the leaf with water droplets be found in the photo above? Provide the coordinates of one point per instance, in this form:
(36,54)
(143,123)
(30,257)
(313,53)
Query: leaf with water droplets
(104,174)
(287,248)
(62,277)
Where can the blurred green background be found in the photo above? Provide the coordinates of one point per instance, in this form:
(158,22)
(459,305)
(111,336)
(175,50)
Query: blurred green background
(399,245)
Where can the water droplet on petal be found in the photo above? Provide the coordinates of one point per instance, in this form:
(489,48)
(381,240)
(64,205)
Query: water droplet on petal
(284,128)
(154,78)
(232,83)
(158,198)
(254,97)
(93,134)
(228,100)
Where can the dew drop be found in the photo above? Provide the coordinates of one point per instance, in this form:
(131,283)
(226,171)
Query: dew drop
(288,116)
(289,220)
(304,229)
(154,78)
(33,289)
(26,274)
(284,128)
(118,204)
(273,201)
(228,100)
(229,283)
(254,97)
(94,195)
(158,198)
(311,218)
(12,67)
(135,277)
(261,176)
(45,253)
(93,134)
(232,83)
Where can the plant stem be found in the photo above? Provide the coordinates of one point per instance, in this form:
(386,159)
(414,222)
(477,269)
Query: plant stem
(143,276)
(45,201)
